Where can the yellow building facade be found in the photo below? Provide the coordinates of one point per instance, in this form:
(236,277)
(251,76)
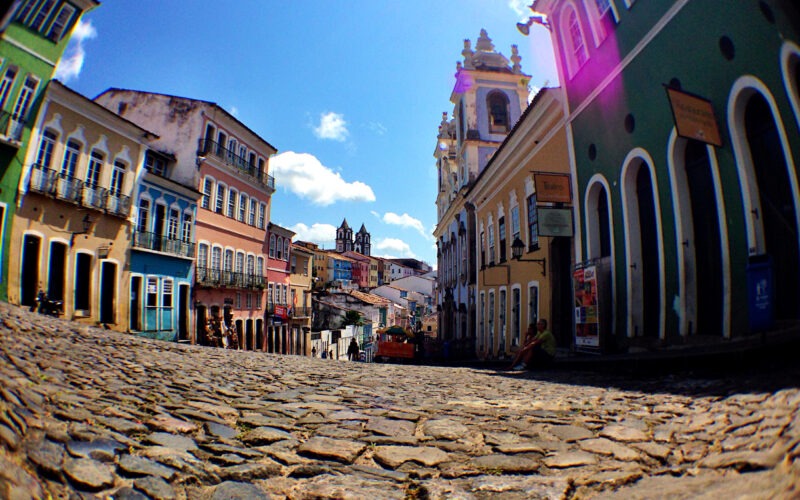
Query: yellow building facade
(512,293)
(72,228)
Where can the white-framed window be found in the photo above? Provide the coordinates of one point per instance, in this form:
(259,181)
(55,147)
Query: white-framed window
(516,315)
(24,99)
(279,248)
(286,249)
(270,294)
(260,266)
(240,262)
(155,164)
(491,245)
(533,304)
(533,223)
(220,202)
(44,157)
(231,203)
(166,293)
(272,241)
(228,263)
(61,22)
(262,211)
(258,300)
(46,8)
(6,84)
(95,166)
(242,207)
(238,300)
(216,258)
(251,265)
(152,292)
(253,210)
(575,44)
(202,255)
(118,178)
(248,301)
(172,223)
(186,232)
(514,222)
(143,224)
(208,189)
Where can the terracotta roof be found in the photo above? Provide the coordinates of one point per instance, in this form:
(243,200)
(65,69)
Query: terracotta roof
(369,298)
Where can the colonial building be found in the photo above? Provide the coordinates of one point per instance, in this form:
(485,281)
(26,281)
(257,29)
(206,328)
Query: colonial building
(228,162)
(684,164)
(74,221)
(509,210)
(301,281)
(489,96)
(33,38)
(280,339)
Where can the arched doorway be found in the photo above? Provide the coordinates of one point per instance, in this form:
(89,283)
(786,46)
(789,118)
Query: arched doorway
(643,250)
(706,237)
(29,275)
(201,337)
(777,206)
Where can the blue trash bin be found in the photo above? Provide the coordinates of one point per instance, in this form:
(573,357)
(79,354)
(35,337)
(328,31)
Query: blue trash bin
(760,293)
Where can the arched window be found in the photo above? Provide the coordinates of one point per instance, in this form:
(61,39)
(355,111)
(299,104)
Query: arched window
(272,246)
(95,165)
(286,249)
(279,248)
(574,42)
(70,158)
(45,155)
(497,106)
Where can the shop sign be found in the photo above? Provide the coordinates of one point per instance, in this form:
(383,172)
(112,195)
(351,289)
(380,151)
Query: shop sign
(552,188)
(694,117)
(555,221)
(281,312)
(587,318)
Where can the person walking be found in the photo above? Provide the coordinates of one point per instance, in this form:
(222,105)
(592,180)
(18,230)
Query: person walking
(352,350)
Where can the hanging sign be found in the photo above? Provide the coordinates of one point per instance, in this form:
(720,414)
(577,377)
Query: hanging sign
(552,187)
(555,221)
(694,117)
(587,321)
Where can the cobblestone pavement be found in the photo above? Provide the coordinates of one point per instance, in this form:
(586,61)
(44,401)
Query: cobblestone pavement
(88,413)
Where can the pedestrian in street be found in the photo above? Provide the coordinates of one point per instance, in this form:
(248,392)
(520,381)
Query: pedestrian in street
(314,352)
(330,354)
(324,354)
(538,349)
(352,350)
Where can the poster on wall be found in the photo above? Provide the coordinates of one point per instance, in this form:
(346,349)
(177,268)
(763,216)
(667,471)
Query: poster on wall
(587,317)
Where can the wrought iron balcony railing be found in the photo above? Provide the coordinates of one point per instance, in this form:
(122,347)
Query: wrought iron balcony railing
(207,147)
(10,127)
(160,243)
(207,276)
(59,185)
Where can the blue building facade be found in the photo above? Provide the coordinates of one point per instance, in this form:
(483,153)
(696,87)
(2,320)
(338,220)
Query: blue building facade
(162,254)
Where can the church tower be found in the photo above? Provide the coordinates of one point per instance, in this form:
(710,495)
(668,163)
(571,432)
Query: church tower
(362,244)
(344,238)
(489,97)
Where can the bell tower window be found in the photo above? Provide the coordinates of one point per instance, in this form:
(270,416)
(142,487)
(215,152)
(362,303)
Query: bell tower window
(497,104)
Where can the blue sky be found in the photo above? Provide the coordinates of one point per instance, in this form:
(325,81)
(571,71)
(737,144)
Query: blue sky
(350,92)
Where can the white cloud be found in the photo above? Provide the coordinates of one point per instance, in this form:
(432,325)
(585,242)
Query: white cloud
(395,246)
(405,220)
(70,65)
(304,175)
(318,233)
(377,127)
(520,7)
(331,126)
(234,111)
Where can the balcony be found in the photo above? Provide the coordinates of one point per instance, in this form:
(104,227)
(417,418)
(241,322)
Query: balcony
(218,278)
(160,243)
(229,157)
(11,129)
(63,187)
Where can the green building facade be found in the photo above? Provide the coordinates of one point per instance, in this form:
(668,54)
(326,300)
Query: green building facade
(683,121)
(31,44)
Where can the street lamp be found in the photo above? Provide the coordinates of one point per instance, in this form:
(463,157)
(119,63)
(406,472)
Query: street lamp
(86,223)
(525,28)
(517,247)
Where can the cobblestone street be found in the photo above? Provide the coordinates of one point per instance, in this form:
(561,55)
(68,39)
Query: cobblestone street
(90,412)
